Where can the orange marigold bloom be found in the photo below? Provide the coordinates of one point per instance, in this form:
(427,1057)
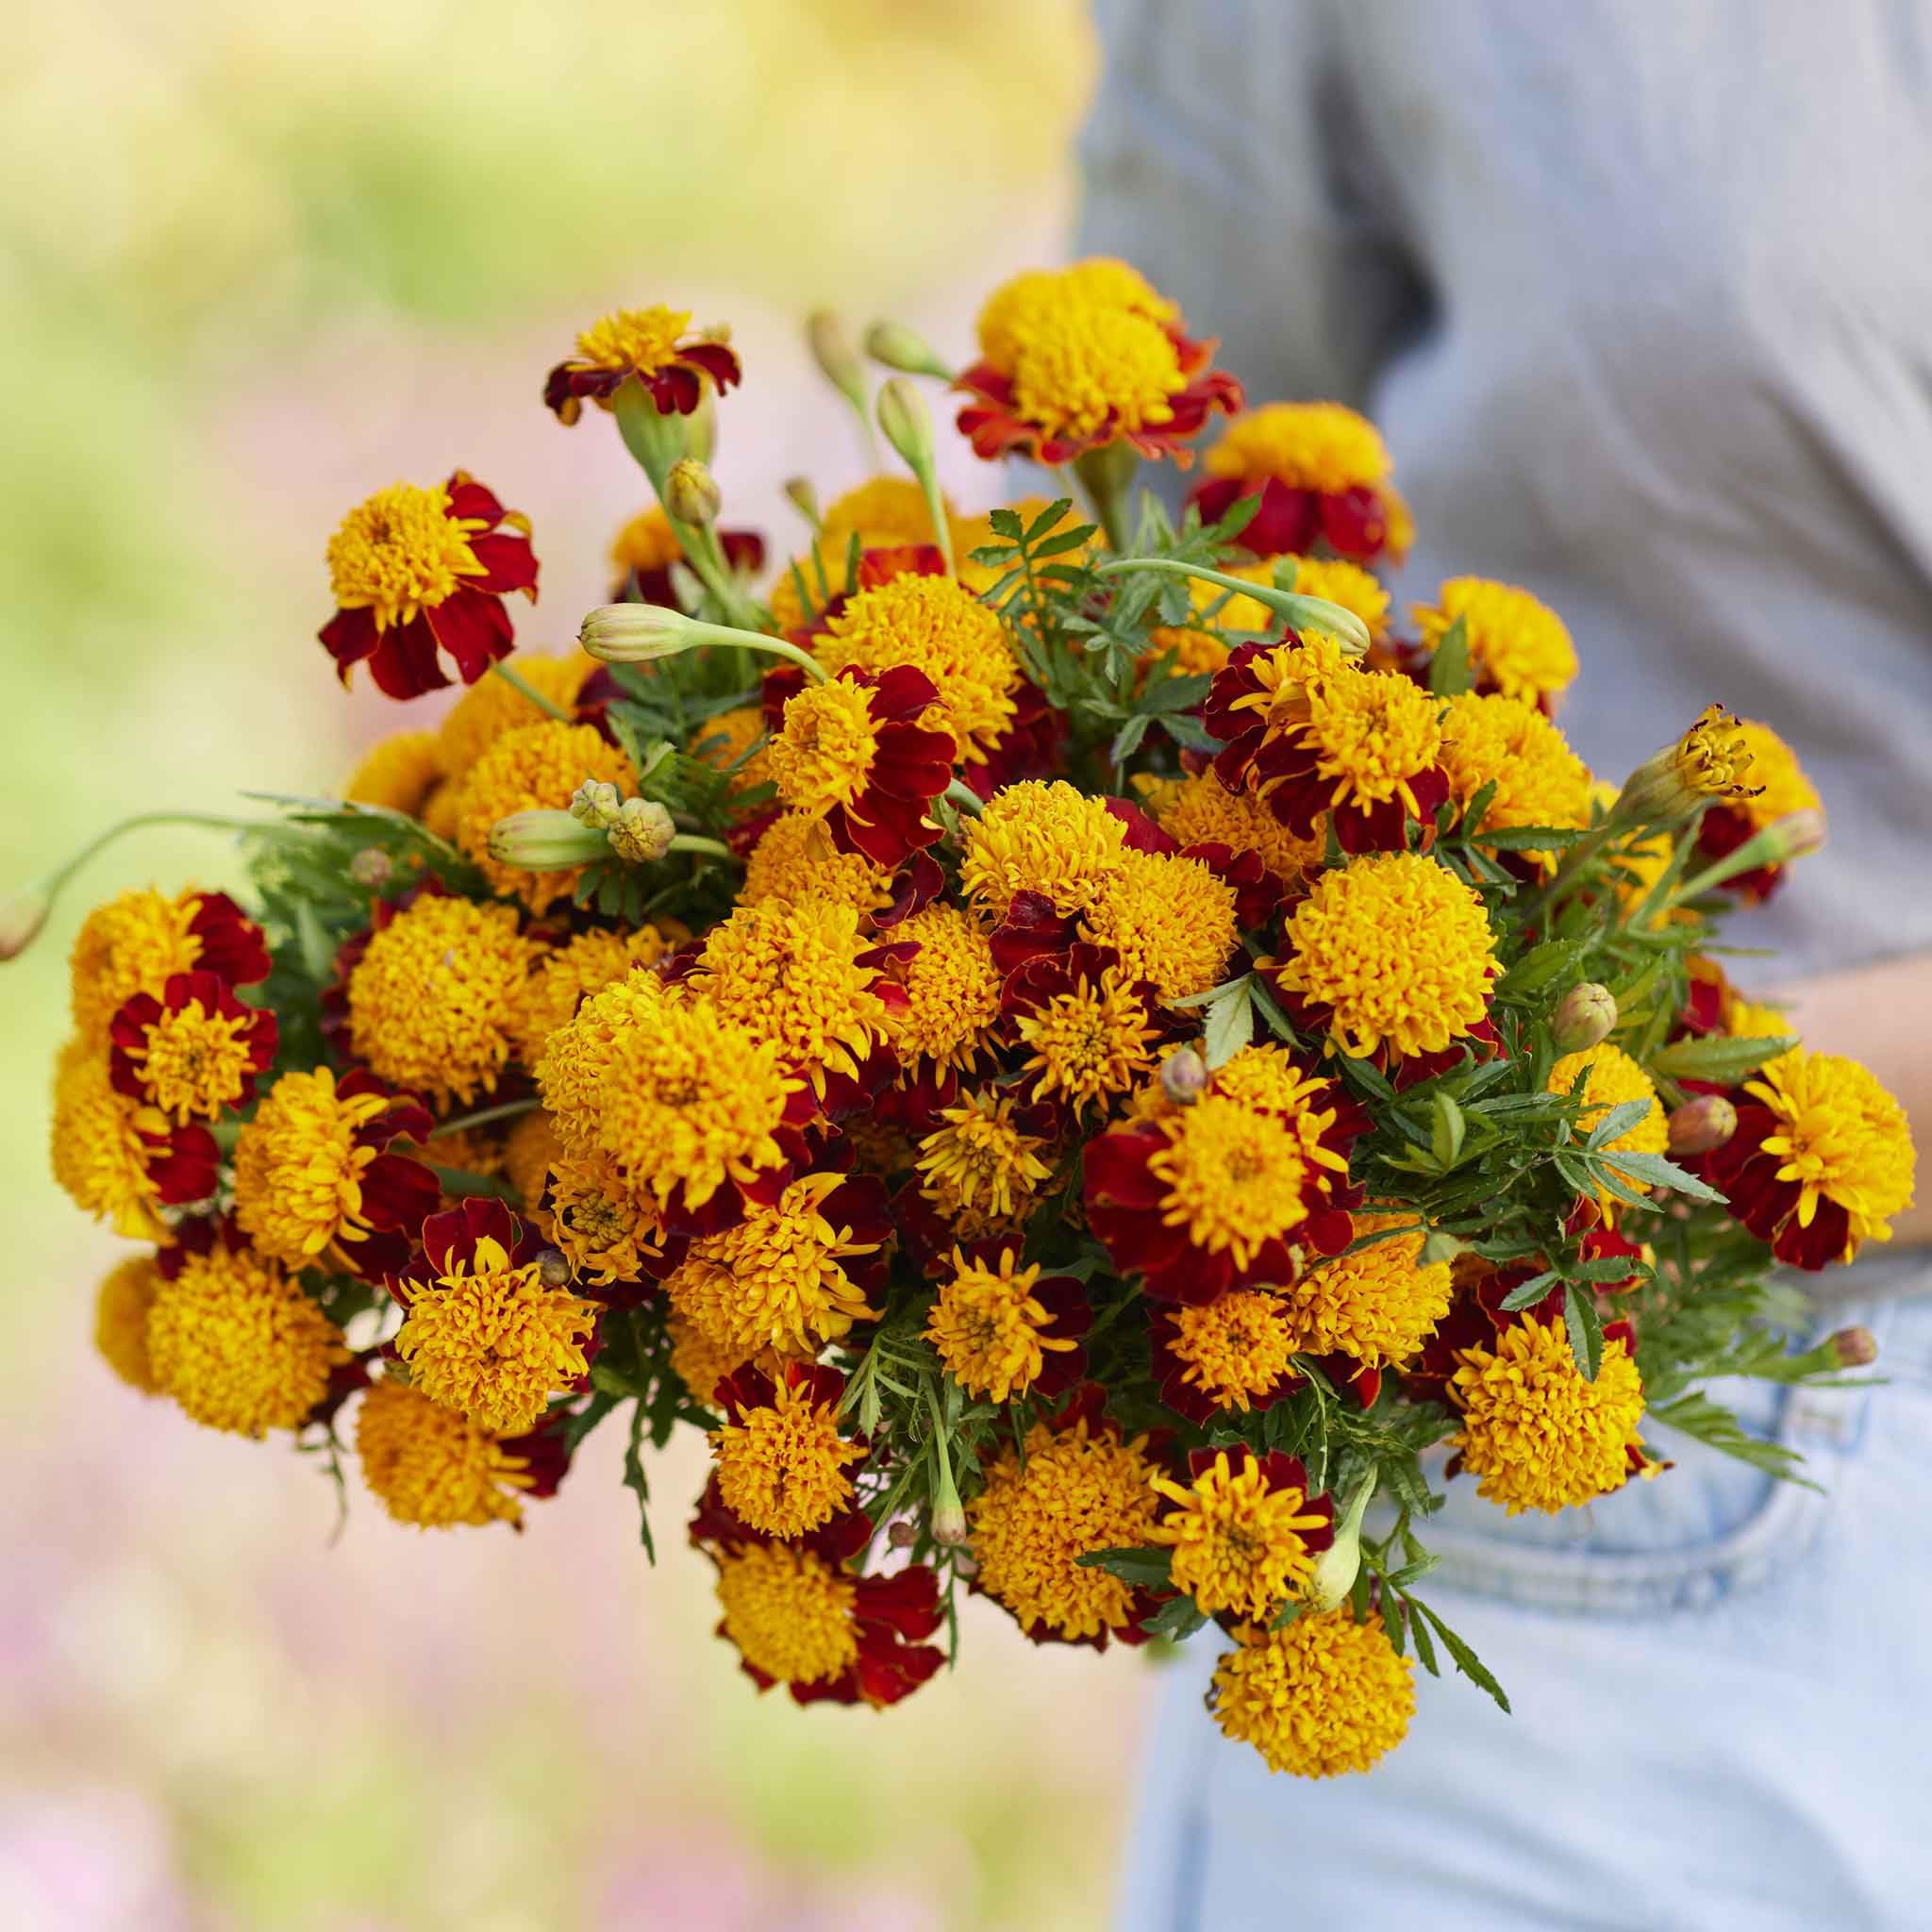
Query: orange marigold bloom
(1322,474)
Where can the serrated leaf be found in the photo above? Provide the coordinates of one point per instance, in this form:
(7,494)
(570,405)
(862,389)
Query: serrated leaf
(1720,1059)
(1175,1620)
(1585,1329)
(1230,1024)
(1449,665)
(1142,1565)
(1006,523)
(1424,1643)
(1654,1171)
(1466,1659)
(1541,966)
(1618,1122)
(1526,1294)
(1048,517)
(1128,738)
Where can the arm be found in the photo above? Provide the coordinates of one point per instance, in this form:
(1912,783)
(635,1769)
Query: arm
(1224,160)
(1881,1015)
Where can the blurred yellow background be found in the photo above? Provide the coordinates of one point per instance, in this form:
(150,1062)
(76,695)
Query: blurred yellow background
(256,262)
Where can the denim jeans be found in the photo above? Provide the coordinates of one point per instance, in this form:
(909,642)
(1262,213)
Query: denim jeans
(1722,1697)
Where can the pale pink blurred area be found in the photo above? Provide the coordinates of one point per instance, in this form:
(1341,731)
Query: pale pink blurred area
(260,263)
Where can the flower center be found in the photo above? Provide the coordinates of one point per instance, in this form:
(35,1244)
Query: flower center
(643,340)
(1080,366)
(401,552)
(1087,1043)
(824,754)
(1234,1178)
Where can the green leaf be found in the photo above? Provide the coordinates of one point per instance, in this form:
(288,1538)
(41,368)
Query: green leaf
(1714,1426)
(1006,523)
(1128,738)
(636,1480)
(1541,966)
(1531,1291)
(1720,1059)
(1175,1620)
(1585,1329)
(1230,1023)
(1424,1643)
(1654,1171)
(1446,1131)
(1449,667)
(1618,1122)
(1532,838)
(1144,1565)
(1047,519)
(1466,1659)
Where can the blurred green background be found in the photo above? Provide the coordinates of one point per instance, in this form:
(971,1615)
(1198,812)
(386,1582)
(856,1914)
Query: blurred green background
(255,262)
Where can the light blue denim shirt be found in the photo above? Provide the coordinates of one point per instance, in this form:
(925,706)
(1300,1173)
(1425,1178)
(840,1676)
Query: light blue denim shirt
(1642,298)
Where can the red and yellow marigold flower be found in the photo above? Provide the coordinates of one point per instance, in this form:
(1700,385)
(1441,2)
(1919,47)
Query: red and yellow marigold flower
(584,964)
(995,1325)
(794,859)
(1233,1354)
(852,751)
(1169,920)
(1077,358)
(781,1463)
(792,1274)
(952,988)
(315,1174)
(980,1166)
(1376,1305)
(1390,955)
(234,1339)
(1243,1530)
(1080,1487)
(1317,1697)
(418,573)
(97,1153)
(483,1332)
(139,941)
(1537,1434)
(800,1617)
(654,348)
(433,1469)
(1322,472)
(1084,1026)
(122,1302)
(1517,645)
(1605,1076)
(397,773)
(1509,746)
(1821,1160)
(1309,732)
(1201,810)
(1046,839)
(190,1054)
(1222,1194)
(934,626)
(605,1232)
(1781,789)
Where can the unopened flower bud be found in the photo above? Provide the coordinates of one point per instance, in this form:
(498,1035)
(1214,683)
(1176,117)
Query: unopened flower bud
(902,1535)
(1340,1564)
(1585,1017)
(20,920)
(545,841)
(1853,1348)
(1710,764)
(691,493)
(832,349)
(641,832)
(1702,1124)
(949,1524)
(905,349)
(1798,834)
(552,1270)
(805,499)
(595,802)
(1184,1077)
(906,423)
(372,867)
(637,633)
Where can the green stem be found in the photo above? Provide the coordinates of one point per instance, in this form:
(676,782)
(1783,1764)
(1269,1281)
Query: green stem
(694,842)
(1105,475)
(55,882)
(525,688)
(962,794)
(740,639)
(503,1110)
(1303,613)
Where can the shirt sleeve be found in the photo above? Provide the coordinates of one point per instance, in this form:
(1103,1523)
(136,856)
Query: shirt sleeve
(1223,159)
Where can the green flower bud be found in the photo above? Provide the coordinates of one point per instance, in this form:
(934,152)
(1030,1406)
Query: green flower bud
(1854,1348)
(905,349)
(545,841)
(1184,1077)
(20,920)
(638,633)
(906,423)
(691,494)
(642,832)
(1340,1564)
(805,499)
(832,349)
(1702,1124)
(1585,1017)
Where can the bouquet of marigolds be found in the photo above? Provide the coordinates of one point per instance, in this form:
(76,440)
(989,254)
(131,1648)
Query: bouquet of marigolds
(1079,1047)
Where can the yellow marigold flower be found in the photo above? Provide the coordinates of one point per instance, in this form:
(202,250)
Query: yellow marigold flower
(398,771)
(1714,763)
(688,1100)
(134,944)
(1013,309)
(433,1001)
(1782,787)
(1838,1135)
(1320,1696)
(721,741)
(1201,810)
(795,859)
(1338,581)
(528,1152)
(1171,919)
(531,768)
(699,1362)
(788,1611)
(493,706)
(782,1461)
(1087,1042)
(193,1055)
(97,1151)
(990,1328)
(645,544)
(1233,1349)
(1372,733)
(1517,645)
(1377,1305)
(1320,446)
(1233,1177)
(238,1344)
(1610,1076)
(1046,837)
(777,1279)
(1397,950)
(126,1293)
(1534,1430)
(647,353)
(978,1162)
(300,1164)
(579,1054)
(937,627)
(1266,1078)
(1501,740)
(428,1466)
(1079,1490)
(1754,1019)
(1238,1544)
(440,810)
(602,1230)
(567,977)
(1077,367)
(952,988)
(486,1336)
(791,977)
(824,752)
(885,512)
